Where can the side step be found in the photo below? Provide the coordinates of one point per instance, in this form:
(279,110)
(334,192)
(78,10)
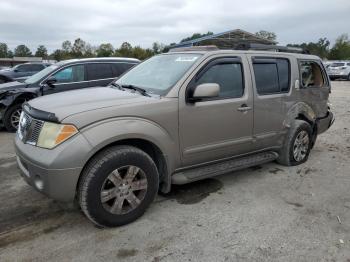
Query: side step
(198,173)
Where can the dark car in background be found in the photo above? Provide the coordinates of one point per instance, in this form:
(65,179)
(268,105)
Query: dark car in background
(21,72)
(62,76)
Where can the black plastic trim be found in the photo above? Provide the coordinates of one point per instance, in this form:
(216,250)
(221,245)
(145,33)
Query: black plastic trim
(39,114)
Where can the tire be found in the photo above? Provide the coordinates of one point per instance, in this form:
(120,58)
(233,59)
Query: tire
(349,77)
(299,130)
(11,117)
(108,172)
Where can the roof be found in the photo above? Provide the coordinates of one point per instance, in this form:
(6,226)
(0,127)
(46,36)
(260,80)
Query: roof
(102,59)
(226,39)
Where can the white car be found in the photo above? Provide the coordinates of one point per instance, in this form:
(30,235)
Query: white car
(339,70)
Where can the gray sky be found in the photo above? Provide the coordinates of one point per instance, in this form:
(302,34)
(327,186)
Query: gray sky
(142,22)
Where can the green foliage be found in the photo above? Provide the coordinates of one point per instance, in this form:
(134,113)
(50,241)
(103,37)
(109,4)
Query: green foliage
(41,52)
(22,51)
(105,50)
(320,48)
(196,36)
(266,35)
(341,49)
(3,50)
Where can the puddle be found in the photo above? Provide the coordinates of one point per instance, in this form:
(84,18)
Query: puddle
(194,192)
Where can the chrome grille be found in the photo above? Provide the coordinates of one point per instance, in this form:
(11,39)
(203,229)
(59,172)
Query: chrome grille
(29,129)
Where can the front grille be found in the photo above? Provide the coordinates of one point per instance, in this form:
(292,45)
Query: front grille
(29,129)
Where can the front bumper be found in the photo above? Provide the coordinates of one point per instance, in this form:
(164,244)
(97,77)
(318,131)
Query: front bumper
(54,172)
(324,123)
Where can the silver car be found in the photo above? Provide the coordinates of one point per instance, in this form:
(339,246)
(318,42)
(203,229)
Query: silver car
(339,70)
(173,119)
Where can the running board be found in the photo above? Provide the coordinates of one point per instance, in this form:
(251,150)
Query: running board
(198,173)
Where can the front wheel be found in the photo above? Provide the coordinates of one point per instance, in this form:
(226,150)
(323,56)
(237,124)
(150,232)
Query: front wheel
(297,145)
(12,116)
(117,186)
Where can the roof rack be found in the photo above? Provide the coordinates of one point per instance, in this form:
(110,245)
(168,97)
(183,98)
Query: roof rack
(275,48)
(244,46)
(195,48)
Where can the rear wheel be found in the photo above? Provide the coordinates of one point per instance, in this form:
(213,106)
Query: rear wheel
(297,145)
(118,186)
(12,116)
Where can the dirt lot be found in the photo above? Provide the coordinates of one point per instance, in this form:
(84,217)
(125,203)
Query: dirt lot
(266,213)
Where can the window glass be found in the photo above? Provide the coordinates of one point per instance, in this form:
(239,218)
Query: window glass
(23,68)
(99,71)
(272,75)
(266,78)
(337,64)
(36,68)
(120,68)
(70,74)
(348,64)
(311,74)
(228,76)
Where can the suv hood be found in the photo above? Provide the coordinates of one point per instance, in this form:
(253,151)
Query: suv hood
(12,86)
(77,101)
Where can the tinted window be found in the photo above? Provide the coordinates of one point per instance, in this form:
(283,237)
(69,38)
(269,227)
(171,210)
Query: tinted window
(228,76)
(337,64)
(36,68)
(271,75)
(348,64)
(24,68)
(71,74)
(311,74)
(99,71)
(120,68)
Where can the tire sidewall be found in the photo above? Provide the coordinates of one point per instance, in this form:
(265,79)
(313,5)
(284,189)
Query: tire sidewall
(7,117)
(302,127)
(96,210)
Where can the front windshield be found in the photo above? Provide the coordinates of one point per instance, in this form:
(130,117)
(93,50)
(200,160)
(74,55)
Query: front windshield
(159,73)
(36,77)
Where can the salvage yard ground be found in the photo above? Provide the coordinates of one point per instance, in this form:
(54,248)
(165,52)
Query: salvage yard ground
(265,213)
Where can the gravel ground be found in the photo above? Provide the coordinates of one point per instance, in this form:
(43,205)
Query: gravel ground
(265,213)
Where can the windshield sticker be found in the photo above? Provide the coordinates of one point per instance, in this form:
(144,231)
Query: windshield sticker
(186,59)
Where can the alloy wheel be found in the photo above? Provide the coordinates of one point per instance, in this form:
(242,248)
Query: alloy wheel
(301,146)
(15,117)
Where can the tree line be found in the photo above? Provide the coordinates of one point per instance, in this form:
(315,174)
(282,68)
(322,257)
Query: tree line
(81,49)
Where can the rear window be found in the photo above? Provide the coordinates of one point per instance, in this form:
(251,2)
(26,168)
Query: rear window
(99,71)
(271,75)
(337,64)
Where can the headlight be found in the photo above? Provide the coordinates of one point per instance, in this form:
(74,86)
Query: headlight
(53,134)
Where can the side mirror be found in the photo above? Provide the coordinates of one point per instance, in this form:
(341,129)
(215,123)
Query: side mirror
(51,81)
(203,91)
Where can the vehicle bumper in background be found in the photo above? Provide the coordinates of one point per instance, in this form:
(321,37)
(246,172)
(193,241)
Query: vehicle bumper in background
(338,76)
(324,123)
(54,172)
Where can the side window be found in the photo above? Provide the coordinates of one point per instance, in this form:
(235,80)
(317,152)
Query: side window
(311,74)
(24,68)
(229,76)
(99,71)
(120,68)
(70,74)
(348,64)
(36,68)
(272,76)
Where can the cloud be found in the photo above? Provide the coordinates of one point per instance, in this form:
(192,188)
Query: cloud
(142,22)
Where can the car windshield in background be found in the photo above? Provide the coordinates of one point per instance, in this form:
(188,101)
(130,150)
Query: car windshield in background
(337,64)
(159,73)
(36,77)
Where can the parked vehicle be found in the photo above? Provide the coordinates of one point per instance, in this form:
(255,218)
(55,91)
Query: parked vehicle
(21,72)
(173,119)
(62,76)
(339,70)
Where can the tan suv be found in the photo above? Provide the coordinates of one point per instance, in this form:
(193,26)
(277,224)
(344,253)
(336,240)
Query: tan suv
(173,119)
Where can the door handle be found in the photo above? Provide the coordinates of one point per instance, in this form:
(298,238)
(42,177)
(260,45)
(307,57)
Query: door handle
(244,108)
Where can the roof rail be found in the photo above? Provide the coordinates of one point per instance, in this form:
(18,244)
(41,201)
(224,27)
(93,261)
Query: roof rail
(195,48)
(276,48)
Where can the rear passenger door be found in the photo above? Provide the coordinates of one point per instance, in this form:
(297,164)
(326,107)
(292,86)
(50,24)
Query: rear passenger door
(99,74)
(272,81)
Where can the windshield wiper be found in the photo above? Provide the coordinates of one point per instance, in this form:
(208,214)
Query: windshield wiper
(136,88)
(116,85)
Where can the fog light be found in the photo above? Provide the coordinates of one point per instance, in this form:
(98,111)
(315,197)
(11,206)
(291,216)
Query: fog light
(39,183)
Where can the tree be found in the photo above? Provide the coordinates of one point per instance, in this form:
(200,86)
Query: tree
(67,46)
(3,50)
(341,48)
(41,51)
(266,35)
(22,51)
(157,48)
(78,49)
(105,50)
(58,55)
(125,50)
(320,48)
(196,36)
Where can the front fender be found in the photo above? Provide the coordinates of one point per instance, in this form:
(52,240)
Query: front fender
(110,131)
